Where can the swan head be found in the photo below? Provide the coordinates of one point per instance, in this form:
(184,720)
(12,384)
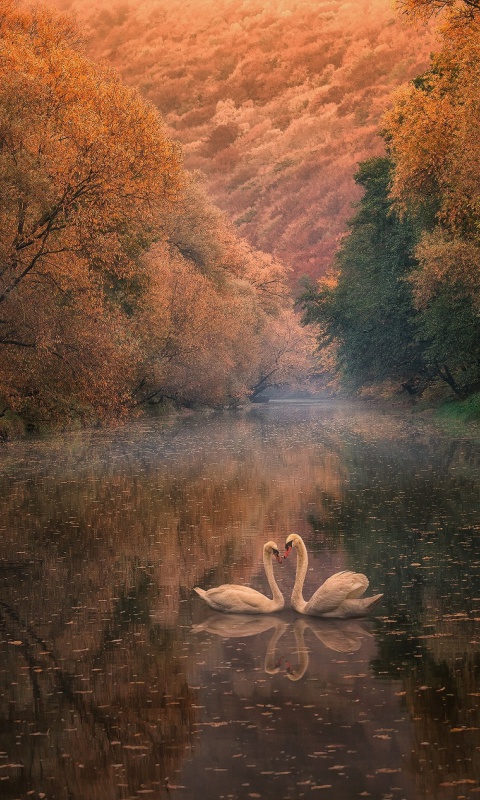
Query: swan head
(271,548)
(292,541)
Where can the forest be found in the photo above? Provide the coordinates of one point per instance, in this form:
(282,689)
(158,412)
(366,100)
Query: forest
(274,101)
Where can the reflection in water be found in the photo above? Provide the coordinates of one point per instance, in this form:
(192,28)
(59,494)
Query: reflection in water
(115,682)
(342,637)
(242,626)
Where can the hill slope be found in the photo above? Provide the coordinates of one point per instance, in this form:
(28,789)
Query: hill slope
(276,102)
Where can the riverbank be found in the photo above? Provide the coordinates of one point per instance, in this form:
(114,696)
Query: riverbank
(446,411)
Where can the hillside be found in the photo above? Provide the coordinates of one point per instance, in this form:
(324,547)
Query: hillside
(275,102)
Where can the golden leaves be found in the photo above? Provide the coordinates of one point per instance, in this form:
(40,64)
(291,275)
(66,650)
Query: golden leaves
(432,134)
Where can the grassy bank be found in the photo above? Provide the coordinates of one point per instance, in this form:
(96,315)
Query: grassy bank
(460,410)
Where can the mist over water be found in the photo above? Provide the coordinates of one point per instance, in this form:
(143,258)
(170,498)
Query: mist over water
(117,681)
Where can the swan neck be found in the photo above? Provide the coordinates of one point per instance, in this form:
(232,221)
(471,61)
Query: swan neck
(268,564)
(298,602)
(270,665)
(301,649)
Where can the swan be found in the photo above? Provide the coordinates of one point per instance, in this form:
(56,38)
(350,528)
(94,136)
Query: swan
(339,597)
(236,599)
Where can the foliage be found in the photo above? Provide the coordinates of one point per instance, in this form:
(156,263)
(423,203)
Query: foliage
(432,135)
(86,177)
(119,280)
(368,310)
(275,101)
(458,10)
(467,410)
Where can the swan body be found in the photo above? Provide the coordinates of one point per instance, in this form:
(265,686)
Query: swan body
(236,599)
(339,597)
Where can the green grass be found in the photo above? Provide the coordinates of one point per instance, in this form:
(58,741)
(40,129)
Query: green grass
(462,410)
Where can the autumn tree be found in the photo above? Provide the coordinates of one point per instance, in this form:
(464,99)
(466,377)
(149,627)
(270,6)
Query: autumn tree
(218,324)
(457,10)
(87,177)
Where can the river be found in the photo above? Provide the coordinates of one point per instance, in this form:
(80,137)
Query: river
(117,681)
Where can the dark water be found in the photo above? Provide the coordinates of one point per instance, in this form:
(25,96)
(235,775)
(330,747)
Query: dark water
(117,681)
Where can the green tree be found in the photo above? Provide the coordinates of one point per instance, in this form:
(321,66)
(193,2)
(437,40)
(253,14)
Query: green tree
(368,311)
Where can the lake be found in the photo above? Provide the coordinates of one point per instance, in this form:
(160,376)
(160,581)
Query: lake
(116,679)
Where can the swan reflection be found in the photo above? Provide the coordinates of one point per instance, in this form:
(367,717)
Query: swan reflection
(346,637)
(336,635)
(238,624)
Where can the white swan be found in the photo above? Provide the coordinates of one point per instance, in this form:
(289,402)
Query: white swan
(339,597)
(236,599)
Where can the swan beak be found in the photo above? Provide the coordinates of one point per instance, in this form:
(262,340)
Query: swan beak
(277,556)
(288,548)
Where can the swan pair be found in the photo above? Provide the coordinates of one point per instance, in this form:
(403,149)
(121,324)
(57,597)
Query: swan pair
(339,597)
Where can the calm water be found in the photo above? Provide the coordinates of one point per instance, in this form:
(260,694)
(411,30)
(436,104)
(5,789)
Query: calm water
(117,681)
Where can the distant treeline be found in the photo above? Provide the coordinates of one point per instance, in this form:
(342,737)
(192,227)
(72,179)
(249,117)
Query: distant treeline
(402,305)
(120,284)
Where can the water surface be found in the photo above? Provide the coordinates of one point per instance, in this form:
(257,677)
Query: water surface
(117,681)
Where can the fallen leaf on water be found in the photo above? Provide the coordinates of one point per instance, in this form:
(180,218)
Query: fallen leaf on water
(460,730)
(457,783)
(386,771)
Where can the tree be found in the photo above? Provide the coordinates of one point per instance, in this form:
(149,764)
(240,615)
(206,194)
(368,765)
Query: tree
(458,10)
(368,311)
(87,176)
(431,135)
(446,293)
(218,324)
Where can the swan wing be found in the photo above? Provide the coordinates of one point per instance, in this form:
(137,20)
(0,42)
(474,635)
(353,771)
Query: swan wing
(359,607)
(336,589)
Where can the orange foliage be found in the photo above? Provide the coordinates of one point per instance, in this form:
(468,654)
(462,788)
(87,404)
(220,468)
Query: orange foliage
(119,280)
(457,10)
(275,102)
(217,321)
(87,176)
(445,261)
(432,133)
